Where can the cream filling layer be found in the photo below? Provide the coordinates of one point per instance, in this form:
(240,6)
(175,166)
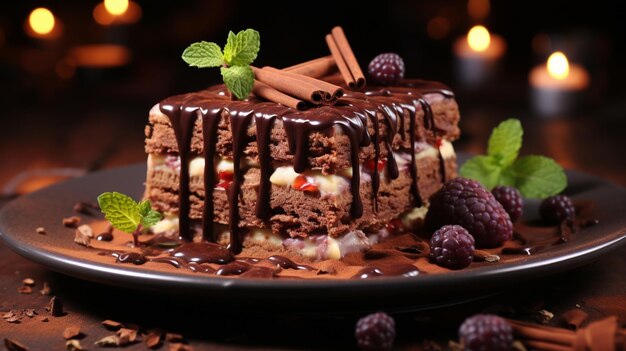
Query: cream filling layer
(332,184)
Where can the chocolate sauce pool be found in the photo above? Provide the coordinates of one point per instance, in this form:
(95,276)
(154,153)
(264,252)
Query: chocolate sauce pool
(352,114)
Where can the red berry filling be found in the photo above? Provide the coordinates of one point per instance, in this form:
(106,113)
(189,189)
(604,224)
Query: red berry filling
(302,183)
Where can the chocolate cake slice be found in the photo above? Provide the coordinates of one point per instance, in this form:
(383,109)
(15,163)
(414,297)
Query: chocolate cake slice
(319,183)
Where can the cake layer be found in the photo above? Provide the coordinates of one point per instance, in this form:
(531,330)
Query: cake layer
(329,149)
(297,210)
(388,144)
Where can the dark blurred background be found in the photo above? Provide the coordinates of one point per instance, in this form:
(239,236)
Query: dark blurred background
(69,106)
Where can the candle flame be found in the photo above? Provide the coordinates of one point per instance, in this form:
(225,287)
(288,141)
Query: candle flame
(558,66)
(41,21)
(116,7)
(478,38)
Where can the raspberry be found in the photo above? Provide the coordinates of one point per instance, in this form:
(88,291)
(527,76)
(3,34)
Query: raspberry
(465,202)
(376,331)
(486,332)
(452,246)
(386,69)
(511,200)
(556,209)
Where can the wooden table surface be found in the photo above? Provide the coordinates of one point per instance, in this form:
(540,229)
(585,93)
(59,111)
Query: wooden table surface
(112,136)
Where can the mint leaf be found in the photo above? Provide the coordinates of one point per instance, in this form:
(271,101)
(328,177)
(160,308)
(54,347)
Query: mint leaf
(121,210)
(203,54)
(151,218)
(144,207)
(484,169)
(537,176)
(242,48)
(239,80)
(505,142)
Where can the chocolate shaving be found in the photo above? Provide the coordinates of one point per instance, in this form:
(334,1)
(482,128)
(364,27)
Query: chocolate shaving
(575,318)
(71,222)
(173,337)
(127,335)
(41,230)
(71,332)
(345,59)
(111,340)
(55,307)
(83,235)
(13,345)
(43,319)
(74,345)
(316,68)
(28,281)
(266,92)
(485,256)
(13,319)
(24,289)
(112,325)
(9,314)
(30,313)
(152,340)
(45,290)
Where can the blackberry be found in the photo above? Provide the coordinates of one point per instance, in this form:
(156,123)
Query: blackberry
(486,332)
(376,331)
(511,200)
(386,69)
(555,209)
(465,202)
(452,246)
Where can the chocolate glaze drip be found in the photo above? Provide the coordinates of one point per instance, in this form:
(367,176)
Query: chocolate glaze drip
(352,114)
(284,262)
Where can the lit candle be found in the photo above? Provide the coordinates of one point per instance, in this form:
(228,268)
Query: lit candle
(557,85)
(477,56)
(42,24)
(116,12)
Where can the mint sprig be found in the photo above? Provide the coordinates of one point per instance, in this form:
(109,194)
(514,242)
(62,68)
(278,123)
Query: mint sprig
(240,51)
(535,176)
(127,215)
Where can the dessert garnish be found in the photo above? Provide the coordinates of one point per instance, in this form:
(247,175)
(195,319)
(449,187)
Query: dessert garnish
(465,202)
(452,246)
(376,331)
(240,51)
(486,332)
(386,69)
(556,209)
(511,200)
(127,215)
(535,176)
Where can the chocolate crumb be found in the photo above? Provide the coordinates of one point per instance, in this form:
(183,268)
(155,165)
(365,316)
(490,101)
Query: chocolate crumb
(71,222)
(518,346)
(13,319)
(41,230)
(127,335)
(111,340)
(45,290)
(179,347)
(71,332)
(13,345)
(153,340)
(74,345)
(173,337)
(81,207)
(30,313)
(28,281)
(43,319)
(24,289)
(9,314)
(55,307)
(112,325)
(83,235)
(453,346)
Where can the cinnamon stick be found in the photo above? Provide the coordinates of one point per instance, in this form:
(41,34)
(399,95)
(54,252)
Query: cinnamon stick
(344,53)
(284,83)
(546,346)
(266,92)
(341,64)
(334,91)
(316,68)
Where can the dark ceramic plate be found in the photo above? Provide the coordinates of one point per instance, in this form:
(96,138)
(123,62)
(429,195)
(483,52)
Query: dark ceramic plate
(56,251)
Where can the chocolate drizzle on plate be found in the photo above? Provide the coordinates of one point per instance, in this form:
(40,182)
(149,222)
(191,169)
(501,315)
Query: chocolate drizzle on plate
(353,113)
